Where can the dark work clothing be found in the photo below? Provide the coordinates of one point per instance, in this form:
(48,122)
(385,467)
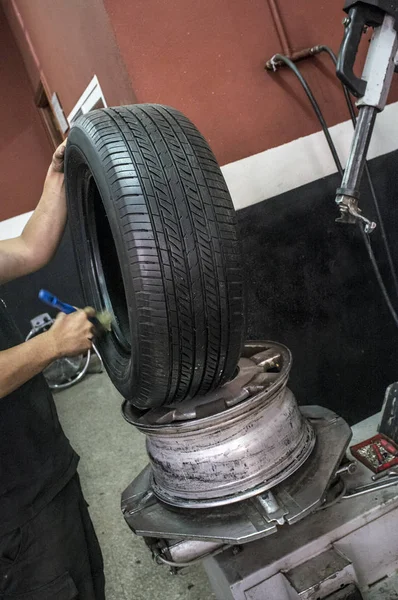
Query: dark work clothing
(36,458)
(48,547)
(56,556)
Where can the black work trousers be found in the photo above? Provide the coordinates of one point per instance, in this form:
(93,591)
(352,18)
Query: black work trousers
(56,555)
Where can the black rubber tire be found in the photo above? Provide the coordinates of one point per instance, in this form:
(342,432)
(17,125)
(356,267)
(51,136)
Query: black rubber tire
(154,232)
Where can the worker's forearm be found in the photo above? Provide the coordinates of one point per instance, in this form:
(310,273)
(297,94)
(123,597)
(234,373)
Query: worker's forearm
(38,242)
(45,228)
(21,363)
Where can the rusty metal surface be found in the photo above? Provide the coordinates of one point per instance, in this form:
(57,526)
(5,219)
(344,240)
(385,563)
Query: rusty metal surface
(250,519)
(229,463)
(252,442)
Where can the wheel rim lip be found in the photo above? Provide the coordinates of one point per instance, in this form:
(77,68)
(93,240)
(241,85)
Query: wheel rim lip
(134,416)
(179,452)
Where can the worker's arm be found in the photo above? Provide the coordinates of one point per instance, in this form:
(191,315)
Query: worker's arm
(69,336)
(41,236)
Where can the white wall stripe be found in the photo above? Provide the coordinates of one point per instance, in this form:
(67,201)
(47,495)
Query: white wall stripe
(11,228)
(278,170)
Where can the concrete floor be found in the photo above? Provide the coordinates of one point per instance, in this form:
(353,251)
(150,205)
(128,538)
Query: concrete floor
(112,454)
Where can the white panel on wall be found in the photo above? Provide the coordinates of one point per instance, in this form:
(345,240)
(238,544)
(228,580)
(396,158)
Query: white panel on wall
(278,170)
(92,97)
(13,227)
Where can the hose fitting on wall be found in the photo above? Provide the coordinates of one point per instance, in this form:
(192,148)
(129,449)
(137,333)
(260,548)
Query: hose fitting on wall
(274,63)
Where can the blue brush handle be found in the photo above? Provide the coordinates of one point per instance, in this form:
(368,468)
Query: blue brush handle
(53,301)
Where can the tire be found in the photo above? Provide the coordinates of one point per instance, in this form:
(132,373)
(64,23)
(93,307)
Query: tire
(154,233)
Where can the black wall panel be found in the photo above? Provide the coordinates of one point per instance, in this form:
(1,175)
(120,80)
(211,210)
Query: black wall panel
(310,285)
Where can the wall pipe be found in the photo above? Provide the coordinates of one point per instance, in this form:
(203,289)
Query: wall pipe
(280,28)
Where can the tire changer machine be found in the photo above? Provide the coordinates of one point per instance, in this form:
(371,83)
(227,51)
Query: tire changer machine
(259,489)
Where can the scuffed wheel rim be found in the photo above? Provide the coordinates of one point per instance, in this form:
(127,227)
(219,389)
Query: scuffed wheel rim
(155,237)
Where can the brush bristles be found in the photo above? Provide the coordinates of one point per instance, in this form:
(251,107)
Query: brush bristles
(105,318)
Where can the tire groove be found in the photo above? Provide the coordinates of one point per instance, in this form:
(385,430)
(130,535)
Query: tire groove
(187,269)
(157,247)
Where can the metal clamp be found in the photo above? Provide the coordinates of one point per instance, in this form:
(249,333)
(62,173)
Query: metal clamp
(348,468)
(350,213)
(273,510)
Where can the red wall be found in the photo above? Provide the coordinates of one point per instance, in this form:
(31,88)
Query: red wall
(73,41)
(25,152)
(207,58)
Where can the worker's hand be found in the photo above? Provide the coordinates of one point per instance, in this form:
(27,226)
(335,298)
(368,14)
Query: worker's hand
(57,163)
(71,334)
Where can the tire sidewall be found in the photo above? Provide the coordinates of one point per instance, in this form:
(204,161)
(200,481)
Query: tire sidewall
(125,368)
